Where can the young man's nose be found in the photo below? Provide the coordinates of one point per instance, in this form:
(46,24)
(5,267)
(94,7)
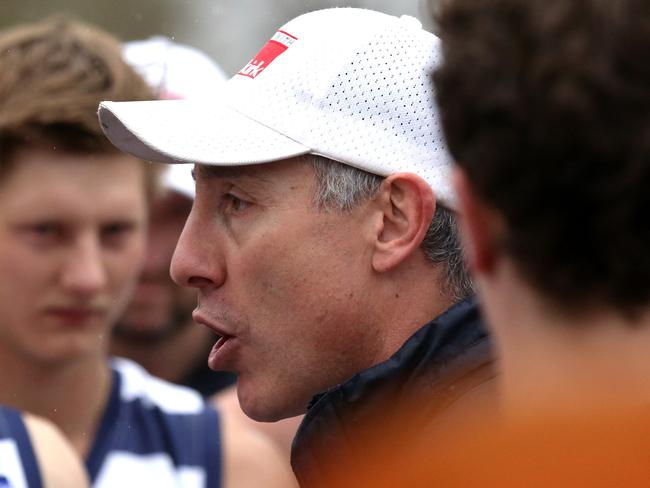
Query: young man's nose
(85,271)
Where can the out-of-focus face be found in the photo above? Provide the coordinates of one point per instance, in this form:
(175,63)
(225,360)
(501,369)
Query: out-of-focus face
(72,236)
(284,283)
(159,306)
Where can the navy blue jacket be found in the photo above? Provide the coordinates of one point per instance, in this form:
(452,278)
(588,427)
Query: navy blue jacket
(442,365)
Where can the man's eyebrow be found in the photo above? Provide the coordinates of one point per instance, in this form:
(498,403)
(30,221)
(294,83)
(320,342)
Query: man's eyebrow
(209,172)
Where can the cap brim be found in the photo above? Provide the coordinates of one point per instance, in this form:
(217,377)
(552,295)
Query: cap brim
(182,131)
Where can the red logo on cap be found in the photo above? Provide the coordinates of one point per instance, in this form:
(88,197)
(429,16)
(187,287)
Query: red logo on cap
(278,44)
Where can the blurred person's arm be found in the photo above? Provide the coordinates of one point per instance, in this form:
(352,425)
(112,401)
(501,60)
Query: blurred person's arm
(250,458)
(281,432)
(59,463)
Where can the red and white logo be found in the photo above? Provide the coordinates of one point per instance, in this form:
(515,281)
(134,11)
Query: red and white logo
(279,43)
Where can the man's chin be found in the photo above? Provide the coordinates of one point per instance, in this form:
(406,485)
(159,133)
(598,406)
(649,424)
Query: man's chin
(265,410)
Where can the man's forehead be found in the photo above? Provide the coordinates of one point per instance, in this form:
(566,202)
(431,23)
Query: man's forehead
(256,172)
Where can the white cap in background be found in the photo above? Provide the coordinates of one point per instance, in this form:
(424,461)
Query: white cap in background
(175,71)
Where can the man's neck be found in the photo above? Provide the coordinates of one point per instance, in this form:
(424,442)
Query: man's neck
(72,395)
(556,362)
(172,358)
(407,301)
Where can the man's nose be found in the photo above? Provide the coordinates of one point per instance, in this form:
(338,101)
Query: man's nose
(198,261)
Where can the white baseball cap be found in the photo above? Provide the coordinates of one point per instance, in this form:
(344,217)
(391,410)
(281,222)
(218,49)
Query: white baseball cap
(174,70)
(353,85)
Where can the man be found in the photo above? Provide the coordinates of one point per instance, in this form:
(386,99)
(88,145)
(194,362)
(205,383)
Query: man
(73,216)
(545,106)
(322,238)
(33,453)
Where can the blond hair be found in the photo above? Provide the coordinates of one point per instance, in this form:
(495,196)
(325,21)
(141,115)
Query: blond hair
(53,74)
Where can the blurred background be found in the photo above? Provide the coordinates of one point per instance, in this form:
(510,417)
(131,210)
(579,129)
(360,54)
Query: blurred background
(231,31)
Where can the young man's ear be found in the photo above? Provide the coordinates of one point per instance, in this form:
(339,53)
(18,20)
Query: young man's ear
(407,204)
(478,225)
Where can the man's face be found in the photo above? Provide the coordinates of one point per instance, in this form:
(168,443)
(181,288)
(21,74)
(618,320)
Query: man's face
(72,235)
(285,283)
(159,307)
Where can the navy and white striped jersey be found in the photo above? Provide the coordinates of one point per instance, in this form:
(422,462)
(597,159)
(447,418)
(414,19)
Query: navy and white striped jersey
(18,464)
(154,433)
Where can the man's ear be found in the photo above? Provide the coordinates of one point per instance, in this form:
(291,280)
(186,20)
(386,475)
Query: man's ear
(407,204)
(478,225)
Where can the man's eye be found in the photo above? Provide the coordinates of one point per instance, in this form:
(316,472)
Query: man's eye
(234,204)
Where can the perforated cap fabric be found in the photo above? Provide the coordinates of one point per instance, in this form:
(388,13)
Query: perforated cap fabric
(353,85)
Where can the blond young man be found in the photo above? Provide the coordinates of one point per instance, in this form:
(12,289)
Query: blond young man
(73,219)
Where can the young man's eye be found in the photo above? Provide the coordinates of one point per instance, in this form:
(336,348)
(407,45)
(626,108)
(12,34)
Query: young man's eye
(43,233)
(112,233)
(114,229)
(45,228)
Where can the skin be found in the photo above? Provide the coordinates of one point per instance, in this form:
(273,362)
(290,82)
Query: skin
(281,433)
(158,322)
(71,243)
(251,459)
(159,307)
(554,360)
(59,464)
(158,325)
(306,298)
(72,234)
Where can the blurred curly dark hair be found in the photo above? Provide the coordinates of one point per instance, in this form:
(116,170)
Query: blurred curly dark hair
(53,74)
(546,106)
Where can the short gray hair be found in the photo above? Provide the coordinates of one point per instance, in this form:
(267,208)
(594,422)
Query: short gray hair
(340,187)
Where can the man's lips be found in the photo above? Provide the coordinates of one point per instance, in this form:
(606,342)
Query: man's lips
(199,318)
(221,356)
